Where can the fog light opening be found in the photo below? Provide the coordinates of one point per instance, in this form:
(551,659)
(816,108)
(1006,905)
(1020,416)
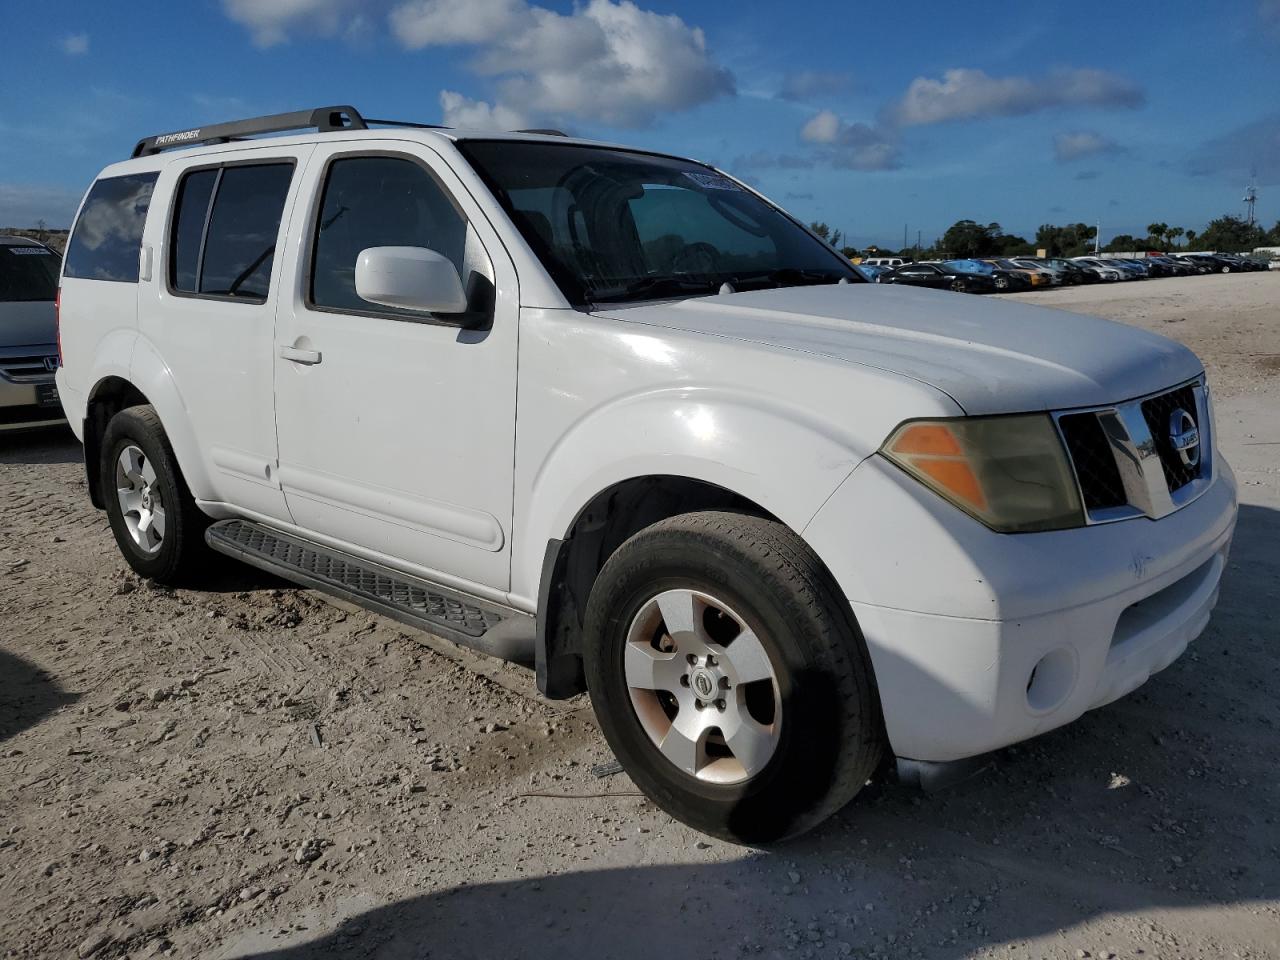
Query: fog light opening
(1051,679)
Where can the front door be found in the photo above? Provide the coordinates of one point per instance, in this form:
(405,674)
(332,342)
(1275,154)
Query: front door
(397,429)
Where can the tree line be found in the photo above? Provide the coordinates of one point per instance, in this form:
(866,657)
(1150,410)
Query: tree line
(969,239)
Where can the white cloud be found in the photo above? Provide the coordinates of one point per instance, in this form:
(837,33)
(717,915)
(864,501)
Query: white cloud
(465,113)
(964,94)
(75,44)
(1082,143)
(269,21)
(607,62)
(425,23)
(823,127)
(852,146)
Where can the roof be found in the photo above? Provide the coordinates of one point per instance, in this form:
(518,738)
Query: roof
(10,241)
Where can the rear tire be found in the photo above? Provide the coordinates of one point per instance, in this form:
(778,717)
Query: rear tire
(766,758)
(156,523)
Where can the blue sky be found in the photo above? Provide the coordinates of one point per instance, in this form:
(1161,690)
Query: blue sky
(849,113)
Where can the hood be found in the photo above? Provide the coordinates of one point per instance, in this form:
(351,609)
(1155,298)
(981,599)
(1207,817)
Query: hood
(27,323)
(990,356)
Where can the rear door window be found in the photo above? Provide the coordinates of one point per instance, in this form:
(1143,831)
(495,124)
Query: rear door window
(108,233)
(225,227)
(28,273)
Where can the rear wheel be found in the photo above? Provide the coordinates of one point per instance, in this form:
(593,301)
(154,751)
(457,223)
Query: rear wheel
(958,286)
(1002,283)
(153,516)
(729,677)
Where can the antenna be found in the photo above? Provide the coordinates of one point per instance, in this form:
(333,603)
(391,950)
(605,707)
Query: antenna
(1250,200)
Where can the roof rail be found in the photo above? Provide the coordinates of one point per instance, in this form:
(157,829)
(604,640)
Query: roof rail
(322,119)
(545,131)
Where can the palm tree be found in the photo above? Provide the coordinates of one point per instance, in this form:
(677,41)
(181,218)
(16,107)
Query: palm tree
(1173,233)
(1157,231)
(1191,238)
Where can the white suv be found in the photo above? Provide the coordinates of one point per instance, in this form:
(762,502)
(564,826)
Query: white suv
(615,413)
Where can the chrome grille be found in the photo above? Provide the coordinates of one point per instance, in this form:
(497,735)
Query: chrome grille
(1125,459)
(1158,412)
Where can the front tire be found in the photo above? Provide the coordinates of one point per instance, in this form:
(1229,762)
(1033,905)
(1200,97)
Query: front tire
(729,676)
(153,516)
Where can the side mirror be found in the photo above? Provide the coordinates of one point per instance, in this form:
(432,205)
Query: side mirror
(411,278)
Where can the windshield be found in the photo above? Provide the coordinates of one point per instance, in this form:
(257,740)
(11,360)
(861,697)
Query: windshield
(28,273)
(616,226)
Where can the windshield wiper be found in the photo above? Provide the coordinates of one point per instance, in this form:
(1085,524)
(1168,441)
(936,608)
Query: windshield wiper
(793,277)
(647,288)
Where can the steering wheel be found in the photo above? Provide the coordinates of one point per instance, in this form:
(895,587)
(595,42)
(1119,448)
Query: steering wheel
(697,257)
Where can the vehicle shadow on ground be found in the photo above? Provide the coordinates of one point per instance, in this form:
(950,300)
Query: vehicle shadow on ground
(27,695)
(45,445)
(1163,800)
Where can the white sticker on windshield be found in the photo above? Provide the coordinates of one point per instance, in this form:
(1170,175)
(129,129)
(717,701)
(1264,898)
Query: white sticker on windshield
(28,251)
(712,181)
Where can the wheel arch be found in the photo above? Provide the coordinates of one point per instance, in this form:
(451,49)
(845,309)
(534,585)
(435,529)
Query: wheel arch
(110,395)
(149,381)
(571,563)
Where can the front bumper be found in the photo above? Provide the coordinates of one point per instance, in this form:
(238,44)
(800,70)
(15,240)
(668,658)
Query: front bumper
(980,640)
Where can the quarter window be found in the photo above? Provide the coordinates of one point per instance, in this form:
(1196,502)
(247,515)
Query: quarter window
(226,247)
(379,202)
(108,233)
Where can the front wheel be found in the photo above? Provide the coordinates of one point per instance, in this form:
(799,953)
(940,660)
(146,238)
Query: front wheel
(729,677)
(958,286)
(1002,283)
(154,518)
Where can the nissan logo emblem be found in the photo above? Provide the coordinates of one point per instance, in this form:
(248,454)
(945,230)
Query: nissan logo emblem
(1184,437)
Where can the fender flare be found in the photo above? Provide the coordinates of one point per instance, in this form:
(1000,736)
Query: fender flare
(780,457)
(151,374)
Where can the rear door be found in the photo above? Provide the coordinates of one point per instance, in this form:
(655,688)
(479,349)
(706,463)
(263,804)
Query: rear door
(209,311)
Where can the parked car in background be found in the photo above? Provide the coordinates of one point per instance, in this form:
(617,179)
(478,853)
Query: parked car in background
(1056,277)
(1130,269)
(28,334)
(1172,265)
(1104,270)
(1196,264)
(888,263)
(1075,272)
(1036,276)
(870,271)
(940,276)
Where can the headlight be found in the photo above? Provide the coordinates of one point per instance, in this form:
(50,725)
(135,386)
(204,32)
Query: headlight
(1009,472)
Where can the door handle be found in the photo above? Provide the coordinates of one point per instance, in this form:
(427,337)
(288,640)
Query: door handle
(297,355)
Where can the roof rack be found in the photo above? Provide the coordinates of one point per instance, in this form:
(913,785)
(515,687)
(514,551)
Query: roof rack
(321,119)
(545,131)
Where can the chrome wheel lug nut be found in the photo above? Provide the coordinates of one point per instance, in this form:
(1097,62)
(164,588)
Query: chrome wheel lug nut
(720,705)
(724,683)
(693,660)
(684,680)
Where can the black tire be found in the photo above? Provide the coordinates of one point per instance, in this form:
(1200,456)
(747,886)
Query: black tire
(182,548)
(959,286)
(1002,283)
(830,737)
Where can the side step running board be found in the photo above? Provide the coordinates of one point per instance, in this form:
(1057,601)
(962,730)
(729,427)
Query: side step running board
(487,627)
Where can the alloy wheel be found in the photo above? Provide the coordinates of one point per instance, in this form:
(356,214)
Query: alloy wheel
(140,501)
(703,686)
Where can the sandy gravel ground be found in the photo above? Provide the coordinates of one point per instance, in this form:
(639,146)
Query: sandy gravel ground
(249,771)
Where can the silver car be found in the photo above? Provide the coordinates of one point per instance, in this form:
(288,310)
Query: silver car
(28,334)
